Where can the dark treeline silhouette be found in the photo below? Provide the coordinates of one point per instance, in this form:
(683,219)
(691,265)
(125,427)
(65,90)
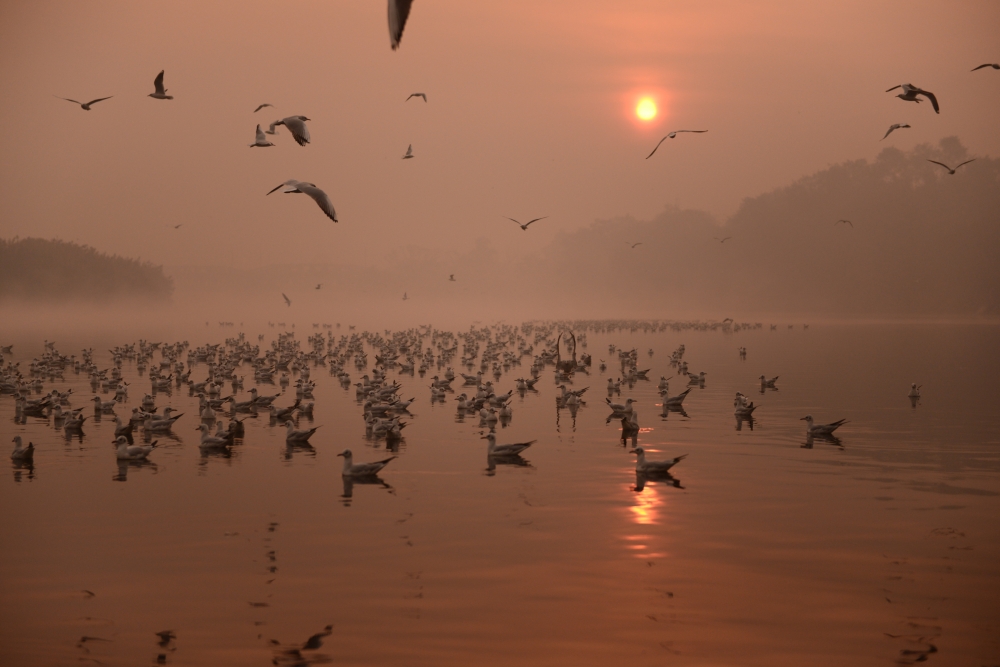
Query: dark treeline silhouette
(38,270)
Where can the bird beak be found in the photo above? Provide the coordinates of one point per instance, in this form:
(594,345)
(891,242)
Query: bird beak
(802,419)
(341,454)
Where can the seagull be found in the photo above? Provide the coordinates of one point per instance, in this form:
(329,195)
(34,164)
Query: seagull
(910,93)
(894,126)
(405,298)
(287,300)
(399,10)
(209,441)
(821,429)
(409,152)
(178,226)
(85,105)
(352,469)
(993,65)
(300,437)
(318,285)
(423,95)
(846,222)
(633,244)
(722,240)
(451,277)
(310,189)
(495,450)
(262,106)
(525,225)
(914,391)
(161,92)
(127,452)
(642,465)
(22,453)
(316,640)
(261,141)
(950,170)
(296,125)
(764,382)
(671,136)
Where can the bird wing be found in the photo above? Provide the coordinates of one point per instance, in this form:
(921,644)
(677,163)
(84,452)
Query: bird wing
(657,146)
(260,135)
(535,220)
(932,98)
(99,99)
(891,128)
(399,11)
(966,162)
(271,129)
(893,88)
(298,129)
(695,131)
(287,300)
(942,164)
(262,106)
(321,199)
(985,65)
(635,244)
(424,96)
(158,82)
(295,184)
(67,99)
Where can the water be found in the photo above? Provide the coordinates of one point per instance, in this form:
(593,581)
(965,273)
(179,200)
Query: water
(764,550)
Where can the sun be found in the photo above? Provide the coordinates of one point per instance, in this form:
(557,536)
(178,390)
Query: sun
(646,109)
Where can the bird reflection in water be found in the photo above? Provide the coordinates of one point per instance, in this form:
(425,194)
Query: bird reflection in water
(668,408)
(20,467)
(125,465)
(293,447)
(350,481)
(823,439)
(642,478)
(516,461)
(740,419)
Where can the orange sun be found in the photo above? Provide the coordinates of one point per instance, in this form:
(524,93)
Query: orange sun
(646,109)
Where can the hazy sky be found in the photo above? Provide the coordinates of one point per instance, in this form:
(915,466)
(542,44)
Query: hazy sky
(531,112)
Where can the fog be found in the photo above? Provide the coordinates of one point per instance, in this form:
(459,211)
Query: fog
(530,113)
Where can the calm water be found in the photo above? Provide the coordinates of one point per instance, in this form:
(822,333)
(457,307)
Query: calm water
(883,549)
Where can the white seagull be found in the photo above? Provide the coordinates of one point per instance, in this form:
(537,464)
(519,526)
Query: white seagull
(85,105)
(310,189)
(642,465)
(161,92)
(409,152)
(352,469)
(399,10)
(950,170)
(671,136)
(22,453)
(423,95)
(894,127)
(910,93)
(525,225)
(297,437)
(914,391)
(495,450)
(127,452)
(296,125)
(821,429)
(261,141)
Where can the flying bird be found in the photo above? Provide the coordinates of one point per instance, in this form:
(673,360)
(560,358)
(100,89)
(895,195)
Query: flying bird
(178,226)
(262,106)
(318,285)
(628,243)
(85,105)
(261,141)
(296,125)
(525,225)
(161,92)
(950,170)
(417,95)
(846,222)
(910,93)
(399,11)
(671,136)
(894,127)
(451,277)
(287,300)
(405,298)
(310,189)
(993,65)
(722,240)
(409,152)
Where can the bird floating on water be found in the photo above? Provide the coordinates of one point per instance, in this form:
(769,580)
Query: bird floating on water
(643,465)
(296,125)
(910,93)
(525,225)
(893,128)
(821,429)
(310,189)
(950,170)
(261,141)
(417,95)
(127,452)
(22,453)
(399,11)
(352,469)
(161,92)
(914,391)
(85,105)
(513,449)
(671,136)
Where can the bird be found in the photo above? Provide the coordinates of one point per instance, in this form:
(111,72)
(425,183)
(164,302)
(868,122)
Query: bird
(209,441)
(821,429)
(417,95)
(451,277)
(161,92)
(764,382)
(318,285)
(22,453)
(178,226)
(950,170)
(316,640)
(914,391)
(352,469)
(514,449)
(310,189)
(399,11)
(127,452)
(910,93)
(262,106)
(642,465)
(85,105)
(993,65)
(619,408)
(671,136)
(846,222)
(525,225)
(893,127)
(722,240)
(297,437)
(633,245)
(296,125)
(409,152)
(287,300)
(261,141)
